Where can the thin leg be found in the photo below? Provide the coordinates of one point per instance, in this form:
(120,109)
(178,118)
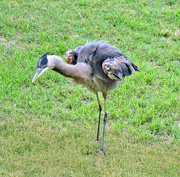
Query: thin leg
(100,109)
(104,121)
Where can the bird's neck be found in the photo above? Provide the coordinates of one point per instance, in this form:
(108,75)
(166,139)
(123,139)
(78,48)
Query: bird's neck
(61,67)
(80,70)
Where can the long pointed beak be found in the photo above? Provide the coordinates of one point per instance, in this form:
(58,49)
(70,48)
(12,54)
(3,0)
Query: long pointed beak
(39,72)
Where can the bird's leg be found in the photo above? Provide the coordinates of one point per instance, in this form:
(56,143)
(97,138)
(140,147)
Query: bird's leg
(100,109)
(104,122)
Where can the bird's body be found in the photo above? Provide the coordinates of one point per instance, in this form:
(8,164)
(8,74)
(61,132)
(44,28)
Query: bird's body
(97,65)
(106,63)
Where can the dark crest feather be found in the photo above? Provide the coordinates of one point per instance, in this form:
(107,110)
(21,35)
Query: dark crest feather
(42,61)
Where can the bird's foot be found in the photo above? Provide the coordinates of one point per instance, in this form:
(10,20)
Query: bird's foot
(102,152)
(97,139)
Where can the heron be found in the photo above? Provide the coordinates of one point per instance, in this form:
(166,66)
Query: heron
(97,65)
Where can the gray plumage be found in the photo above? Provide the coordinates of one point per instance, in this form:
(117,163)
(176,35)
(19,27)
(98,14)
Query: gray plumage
(108,64)
(97,65)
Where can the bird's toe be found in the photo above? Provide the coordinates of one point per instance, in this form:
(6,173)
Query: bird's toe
(102,152)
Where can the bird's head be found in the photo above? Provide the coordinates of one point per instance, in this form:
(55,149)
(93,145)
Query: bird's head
(44,64)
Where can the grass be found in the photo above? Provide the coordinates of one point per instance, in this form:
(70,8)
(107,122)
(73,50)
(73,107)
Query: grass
(48,128)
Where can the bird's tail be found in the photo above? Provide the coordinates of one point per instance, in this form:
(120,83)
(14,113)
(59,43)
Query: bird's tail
(135,67)
(128,67)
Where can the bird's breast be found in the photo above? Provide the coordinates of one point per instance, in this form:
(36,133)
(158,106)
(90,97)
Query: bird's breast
(103,85)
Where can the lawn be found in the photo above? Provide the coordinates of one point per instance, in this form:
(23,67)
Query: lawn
(48,128)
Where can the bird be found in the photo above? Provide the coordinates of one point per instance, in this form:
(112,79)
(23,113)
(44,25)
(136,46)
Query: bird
(97,65)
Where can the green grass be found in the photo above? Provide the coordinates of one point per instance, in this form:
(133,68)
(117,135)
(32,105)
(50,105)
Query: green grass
(49,128)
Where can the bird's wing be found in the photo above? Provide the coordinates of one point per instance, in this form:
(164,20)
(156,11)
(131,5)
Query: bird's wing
(71,55)
(116,68)
(94,53)
(98,54)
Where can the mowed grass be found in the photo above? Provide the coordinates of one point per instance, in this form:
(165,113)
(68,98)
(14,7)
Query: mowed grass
(49,128)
